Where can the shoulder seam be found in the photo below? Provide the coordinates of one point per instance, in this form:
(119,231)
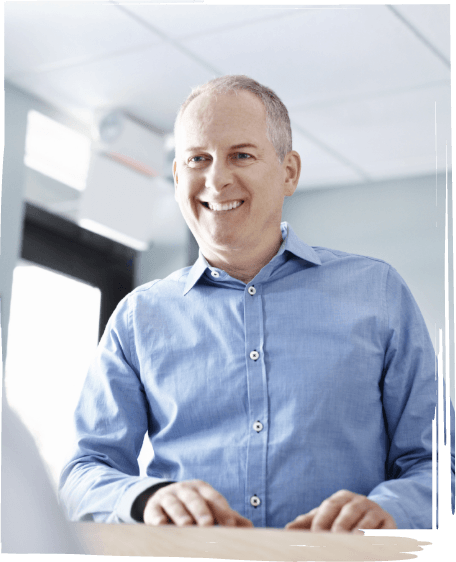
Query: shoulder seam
(130,335)
(385,304)
(386,298)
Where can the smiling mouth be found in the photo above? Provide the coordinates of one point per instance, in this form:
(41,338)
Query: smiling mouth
(223,206)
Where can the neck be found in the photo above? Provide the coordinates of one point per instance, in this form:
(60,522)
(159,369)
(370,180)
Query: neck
(243,264)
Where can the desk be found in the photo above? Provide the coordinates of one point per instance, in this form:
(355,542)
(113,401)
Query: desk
(239,543)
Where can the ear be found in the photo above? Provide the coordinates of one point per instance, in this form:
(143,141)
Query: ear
(292,168)
(175,178)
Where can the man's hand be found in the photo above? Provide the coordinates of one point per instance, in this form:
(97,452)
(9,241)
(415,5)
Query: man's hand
(344,512)
(189,503)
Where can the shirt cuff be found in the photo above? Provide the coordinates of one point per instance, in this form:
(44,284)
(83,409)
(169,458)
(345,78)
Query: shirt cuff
(124,507)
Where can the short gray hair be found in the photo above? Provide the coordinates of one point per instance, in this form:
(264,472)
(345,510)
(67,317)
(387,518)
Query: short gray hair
(278,128)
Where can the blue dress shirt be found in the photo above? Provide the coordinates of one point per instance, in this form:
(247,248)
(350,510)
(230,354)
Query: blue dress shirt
(316,376)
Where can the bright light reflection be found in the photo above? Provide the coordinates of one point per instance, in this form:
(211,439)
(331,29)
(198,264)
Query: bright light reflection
(52,337)
(57,151)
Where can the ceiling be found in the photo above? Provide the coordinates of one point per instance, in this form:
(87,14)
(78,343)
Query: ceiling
(366,86)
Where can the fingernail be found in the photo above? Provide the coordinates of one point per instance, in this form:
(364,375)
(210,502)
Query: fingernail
(205,520)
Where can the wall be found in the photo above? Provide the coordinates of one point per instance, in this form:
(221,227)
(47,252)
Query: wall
(16,108)
(159,261)
(400,221)
(14,181)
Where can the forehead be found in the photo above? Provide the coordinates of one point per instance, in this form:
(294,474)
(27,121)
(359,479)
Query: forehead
(214,116)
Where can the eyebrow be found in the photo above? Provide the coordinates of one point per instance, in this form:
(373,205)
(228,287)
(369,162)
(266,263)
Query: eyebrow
(243,145)
(234,147)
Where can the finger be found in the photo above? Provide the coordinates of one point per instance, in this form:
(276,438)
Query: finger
(327,514)
(389,523)
(154,515)
(221,510)
(242,521)
(176,511)
(196,506)
(228,517)
(372,520)
(302,521)
(351,513)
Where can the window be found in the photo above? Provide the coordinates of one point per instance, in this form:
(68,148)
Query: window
(62,245)
(65,288)
(52,337)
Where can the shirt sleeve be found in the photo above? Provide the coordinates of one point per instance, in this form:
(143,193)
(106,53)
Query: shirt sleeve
(101,481)
(409,390)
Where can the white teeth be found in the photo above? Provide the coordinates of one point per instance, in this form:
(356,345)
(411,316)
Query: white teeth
(225,207)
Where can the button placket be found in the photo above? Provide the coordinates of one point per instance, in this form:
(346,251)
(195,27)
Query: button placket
(258,405)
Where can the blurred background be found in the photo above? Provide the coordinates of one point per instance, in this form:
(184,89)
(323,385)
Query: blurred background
(88,210)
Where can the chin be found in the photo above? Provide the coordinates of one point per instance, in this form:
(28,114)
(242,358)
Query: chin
(224,241)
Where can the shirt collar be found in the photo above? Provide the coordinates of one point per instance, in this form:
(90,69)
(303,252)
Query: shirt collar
(291,243)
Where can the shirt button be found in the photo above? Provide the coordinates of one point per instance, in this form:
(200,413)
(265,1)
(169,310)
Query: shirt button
(254,355)
(215,274)
(255,501)
(251,290)
(258,426)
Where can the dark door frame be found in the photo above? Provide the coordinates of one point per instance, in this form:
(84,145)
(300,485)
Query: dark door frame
(59,244)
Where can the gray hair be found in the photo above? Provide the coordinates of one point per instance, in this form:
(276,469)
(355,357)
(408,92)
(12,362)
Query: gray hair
(278,128)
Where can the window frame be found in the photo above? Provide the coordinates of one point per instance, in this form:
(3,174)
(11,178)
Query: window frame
(61,245)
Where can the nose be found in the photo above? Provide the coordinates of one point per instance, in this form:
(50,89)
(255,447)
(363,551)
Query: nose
(218,174)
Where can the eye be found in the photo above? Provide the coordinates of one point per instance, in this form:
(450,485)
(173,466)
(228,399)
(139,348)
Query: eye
(242,156)
(199,161)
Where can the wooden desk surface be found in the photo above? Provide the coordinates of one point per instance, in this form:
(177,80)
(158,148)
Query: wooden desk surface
(240,544)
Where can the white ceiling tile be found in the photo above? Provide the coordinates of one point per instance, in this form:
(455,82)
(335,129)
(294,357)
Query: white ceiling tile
(320,168)
(195,20)
(157,80)
(432,20)
(387,135)
(43,35)
(325,63)
(320,54)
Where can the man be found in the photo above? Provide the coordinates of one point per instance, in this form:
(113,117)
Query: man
(280,385)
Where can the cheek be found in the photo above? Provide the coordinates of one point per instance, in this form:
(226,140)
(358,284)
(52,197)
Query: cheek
(184,189)
(187,201)
(191,185)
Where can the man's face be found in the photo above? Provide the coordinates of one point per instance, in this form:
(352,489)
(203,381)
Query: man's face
(229,183)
